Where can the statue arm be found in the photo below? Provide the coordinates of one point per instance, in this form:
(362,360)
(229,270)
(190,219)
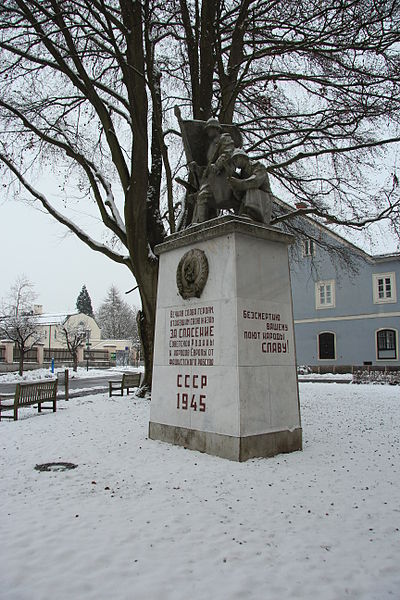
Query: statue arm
(240,184)
(259,179)
(227,146)
(196,169)
(252,182)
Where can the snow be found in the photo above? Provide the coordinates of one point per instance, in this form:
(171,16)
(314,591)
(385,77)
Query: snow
(150,253)
(53,319)
(110,202)
(145,520)
(331,376)
(81,373)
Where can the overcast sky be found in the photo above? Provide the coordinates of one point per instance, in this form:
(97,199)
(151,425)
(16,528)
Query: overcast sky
(57,263)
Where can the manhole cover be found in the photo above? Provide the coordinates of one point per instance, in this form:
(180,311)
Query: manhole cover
(56,466)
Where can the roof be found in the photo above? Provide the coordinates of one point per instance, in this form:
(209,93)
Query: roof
(53,319)
(369,257)
(384,257)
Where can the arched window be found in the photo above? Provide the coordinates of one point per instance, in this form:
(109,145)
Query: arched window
(386,343)
(326,346)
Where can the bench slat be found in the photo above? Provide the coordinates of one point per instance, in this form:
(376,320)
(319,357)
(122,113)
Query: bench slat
(33,393)
(133,379)
(129,380)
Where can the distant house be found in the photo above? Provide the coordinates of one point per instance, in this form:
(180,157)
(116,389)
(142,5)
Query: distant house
(53,345)
(52,326)
(346,309)
(100,349)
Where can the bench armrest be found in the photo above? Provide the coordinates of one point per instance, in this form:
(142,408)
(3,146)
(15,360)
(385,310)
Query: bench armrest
(115,384)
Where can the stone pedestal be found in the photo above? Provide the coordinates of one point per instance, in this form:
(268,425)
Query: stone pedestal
(224,379)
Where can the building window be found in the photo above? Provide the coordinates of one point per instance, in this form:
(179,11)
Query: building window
(386,343)
(325,294)
(384,288)
(308,247)
(326,346)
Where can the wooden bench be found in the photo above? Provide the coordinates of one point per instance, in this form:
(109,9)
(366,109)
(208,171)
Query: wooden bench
(31,393)
(129,380)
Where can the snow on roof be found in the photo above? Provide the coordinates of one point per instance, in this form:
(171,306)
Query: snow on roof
(389,256)
(53,319)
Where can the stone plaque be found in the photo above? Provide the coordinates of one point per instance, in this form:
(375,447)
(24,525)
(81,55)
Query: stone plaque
(192,274)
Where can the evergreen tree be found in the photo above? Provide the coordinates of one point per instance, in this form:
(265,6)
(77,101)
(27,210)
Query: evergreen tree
(116,318)
(84,303)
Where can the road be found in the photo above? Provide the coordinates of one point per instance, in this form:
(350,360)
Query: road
(8,389)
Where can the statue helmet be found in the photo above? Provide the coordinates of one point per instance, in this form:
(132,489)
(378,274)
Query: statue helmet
(240,152)
(213,123)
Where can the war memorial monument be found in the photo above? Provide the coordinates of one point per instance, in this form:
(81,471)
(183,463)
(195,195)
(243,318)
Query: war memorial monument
(224,379)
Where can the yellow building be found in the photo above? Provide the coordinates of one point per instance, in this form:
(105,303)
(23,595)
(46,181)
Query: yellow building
(101,352)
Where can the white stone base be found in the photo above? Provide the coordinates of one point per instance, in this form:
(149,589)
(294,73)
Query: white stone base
(228,446)
(224,379)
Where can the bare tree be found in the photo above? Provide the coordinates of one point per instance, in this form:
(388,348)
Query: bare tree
(89,87)
(17,321)
(315,87)
(76,89)
(74,335)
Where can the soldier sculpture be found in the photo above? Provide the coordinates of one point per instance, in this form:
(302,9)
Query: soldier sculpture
(222,176)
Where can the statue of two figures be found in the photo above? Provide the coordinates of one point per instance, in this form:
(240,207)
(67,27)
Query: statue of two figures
(221,174)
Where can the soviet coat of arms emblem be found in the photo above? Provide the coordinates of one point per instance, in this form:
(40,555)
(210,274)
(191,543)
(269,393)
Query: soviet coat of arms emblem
(192,274)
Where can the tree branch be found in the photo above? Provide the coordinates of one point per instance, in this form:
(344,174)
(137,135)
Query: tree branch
(125,260)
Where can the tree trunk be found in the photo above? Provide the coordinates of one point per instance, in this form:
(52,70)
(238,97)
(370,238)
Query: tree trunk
(207,59)
(146,320)
(75,360)
(21,362)
(146,328)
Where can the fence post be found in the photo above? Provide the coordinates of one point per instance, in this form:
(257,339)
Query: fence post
(16,400)
(66,384)
(40,353)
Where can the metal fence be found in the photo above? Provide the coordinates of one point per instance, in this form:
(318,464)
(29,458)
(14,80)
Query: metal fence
(2,354)
(30,356)
(96,355)
(59,354)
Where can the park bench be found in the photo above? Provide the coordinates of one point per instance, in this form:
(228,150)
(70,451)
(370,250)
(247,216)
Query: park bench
(31,393)
(129,380)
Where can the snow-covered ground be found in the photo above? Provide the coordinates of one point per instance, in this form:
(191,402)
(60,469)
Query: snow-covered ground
(81,373)
(144,520)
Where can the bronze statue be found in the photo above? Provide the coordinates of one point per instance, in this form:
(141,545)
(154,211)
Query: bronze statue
(213,179)
(213,153)
(252,185)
